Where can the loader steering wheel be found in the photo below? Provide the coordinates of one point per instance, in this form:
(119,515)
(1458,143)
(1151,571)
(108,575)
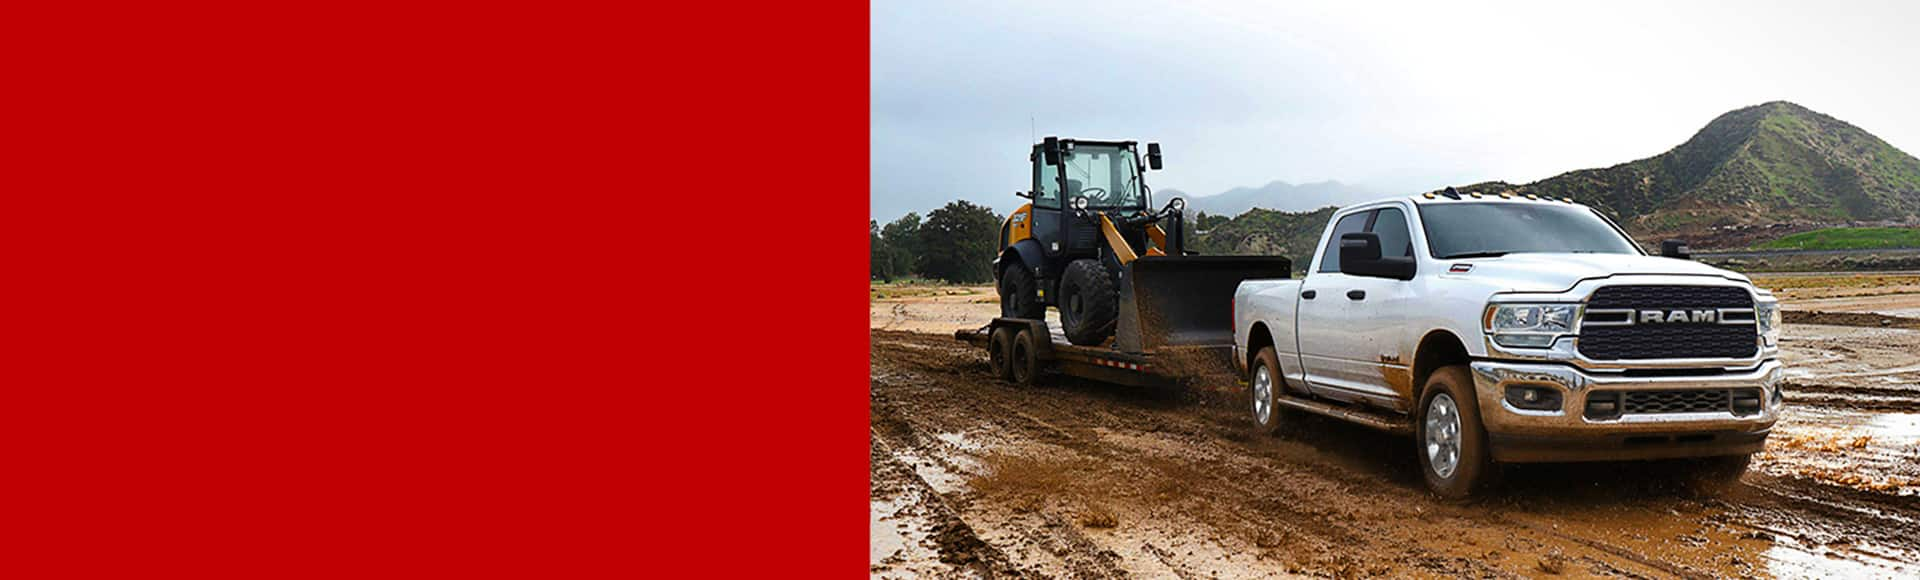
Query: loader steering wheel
(1092,193)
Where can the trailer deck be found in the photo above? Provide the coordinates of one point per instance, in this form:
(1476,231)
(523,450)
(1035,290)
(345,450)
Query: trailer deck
(1165,365)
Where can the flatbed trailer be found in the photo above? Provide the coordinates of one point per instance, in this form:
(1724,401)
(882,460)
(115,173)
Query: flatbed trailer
(1166,366)
(1022,363)
(1175,321)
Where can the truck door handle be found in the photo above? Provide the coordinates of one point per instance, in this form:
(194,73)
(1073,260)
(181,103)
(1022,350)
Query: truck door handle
(1309,294)
(1357,294)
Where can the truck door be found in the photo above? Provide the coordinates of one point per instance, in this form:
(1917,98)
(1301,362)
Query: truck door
(1325,347)
(1351,330)
(1383,314)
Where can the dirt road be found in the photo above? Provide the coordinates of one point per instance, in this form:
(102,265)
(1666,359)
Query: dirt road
(972,477)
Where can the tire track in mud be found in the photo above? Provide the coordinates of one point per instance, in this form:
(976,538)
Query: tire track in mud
(956,542)
(1320,501)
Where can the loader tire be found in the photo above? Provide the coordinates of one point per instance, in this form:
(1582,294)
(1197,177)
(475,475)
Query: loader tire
(1089,303)
(1020,293)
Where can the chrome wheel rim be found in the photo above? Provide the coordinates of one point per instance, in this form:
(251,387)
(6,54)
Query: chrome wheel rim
(1262,394)
(1443,435)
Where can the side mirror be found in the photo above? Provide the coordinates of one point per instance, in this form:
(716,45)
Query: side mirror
(1676,249)
(1051,149)
(1153,156)
(1360,256)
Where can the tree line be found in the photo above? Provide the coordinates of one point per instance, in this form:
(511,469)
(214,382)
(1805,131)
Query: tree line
(956,243)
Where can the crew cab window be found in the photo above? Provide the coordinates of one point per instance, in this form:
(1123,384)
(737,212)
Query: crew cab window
(1396,239)
(1330,247)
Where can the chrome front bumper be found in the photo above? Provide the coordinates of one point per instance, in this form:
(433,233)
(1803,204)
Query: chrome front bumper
(1521,435)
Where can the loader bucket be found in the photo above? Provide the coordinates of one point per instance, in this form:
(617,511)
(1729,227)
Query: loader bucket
(1185,300)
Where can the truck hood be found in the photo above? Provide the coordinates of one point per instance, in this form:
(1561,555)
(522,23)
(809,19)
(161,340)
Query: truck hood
(1552,272)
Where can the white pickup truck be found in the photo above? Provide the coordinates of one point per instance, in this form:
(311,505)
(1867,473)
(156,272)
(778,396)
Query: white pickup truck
(1514,329)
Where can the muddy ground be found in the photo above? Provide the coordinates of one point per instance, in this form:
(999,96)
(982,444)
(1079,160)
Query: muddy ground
(976,478)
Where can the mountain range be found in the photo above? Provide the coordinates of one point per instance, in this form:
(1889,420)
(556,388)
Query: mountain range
(1750,174)
(1278,195)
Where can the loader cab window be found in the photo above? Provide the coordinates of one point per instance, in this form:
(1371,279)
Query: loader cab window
(1106,175)
(1330,247)
(1046,187)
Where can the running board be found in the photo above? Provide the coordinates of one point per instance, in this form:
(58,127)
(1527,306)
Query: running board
(1395,424)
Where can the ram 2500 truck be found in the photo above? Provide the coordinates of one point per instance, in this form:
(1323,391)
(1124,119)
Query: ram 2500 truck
(1514,329)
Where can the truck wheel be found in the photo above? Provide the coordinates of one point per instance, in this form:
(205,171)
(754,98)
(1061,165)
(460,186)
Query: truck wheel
(1452,442)
(1024,359)
(1020,294)
(1000,353)
(1714,476)
(1089,304)
(1265,386)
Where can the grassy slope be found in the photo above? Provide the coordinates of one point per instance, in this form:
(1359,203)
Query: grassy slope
(1762,164)
(1268,232)
(1847,239)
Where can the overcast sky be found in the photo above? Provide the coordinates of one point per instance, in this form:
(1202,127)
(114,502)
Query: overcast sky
(1399,98)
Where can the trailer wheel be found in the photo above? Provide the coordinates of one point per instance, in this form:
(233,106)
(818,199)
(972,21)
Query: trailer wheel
(1000,353)
(1452,443)
(1265,386)
(1089,303)
(1020,294)
(1024,358)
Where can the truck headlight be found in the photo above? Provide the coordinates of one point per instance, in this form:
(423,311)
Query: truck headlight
(1767,315)
(1529,325)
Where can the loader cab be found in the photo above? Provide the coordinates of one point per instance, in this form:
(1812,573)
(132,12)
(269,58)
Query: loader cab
(1108,175)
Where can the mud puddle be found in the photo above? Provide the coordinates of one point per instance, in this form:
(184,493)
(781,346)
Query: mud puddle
(1078,479)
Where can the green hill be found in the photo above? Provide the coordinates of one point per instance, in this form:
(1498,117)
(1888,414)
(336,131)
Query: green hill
(1847,239)
(1768,163)
(1268,232)
(1775,163)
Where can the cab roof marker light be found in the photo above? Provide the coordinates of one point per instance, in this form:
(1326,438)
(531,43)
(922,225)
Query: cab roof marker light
(1476,195)
(1506,195)
(1429,195)
(1567,199)
(1532,196)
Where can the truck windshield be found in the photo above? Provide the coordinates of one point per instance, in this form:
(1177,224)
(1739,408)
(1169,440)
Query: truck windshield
(1461,230)
(1105,175)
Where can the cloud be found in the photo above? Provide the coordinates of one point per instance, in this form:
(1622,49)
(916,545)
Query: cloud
(1399,97)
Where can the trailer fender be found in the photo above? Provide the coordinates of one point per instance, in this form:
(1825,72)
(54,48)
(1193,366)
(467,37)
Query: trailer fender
(1043,340)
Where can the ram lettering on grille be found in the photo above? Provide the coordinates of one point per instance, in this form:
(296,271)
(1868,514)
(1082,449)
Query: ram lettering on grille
(1670,322)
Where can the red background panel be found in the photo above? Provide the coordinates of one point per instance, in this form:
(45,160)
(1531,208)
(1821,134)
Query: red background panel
(509,289)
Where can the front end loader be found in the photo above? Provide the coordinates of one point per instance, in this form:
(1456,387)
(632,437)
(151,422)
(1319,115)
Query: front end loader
(1090,245)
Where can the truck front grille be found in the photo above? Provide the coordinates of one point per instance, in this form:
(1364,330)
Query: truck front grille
(1709,339)
(1735,401)
(1696,401)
